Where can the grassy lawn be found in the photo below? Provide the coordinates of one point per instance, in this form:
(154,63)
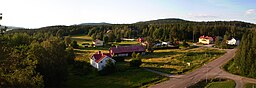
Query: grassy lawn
(222,84)
(87,39)
(249,85)
(125,43)
(126,77)
(175,61)
(215,83)
(82,39)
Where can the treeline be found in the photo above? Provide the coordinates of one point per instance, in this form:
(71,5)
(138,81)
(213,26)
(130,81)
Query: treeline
(164,30)
(38,60)
(244,62)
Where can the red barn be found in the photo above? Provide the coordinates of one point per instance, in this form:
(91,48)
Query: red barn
(126,50)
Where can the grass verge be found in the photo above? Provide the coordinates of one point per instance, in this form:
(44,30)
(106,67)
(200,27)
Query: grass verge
(250,85)
(214,83)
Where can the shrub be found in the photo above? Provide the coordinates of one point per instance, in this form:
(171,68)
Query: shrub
(81,67)
(74,44)
(70,55)
(135,62)
(108,69)
(185,44)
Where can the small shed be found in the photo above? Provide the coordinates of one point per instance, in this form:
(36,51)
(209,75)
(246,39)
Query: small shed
(97,42)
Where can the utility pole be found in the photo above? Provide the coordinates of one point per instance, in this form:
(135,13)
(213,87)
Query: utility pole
(0,16)
(2,30)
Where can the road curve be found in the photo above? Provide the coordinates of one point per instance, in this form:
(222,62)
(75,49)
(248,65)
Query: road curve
(210,70)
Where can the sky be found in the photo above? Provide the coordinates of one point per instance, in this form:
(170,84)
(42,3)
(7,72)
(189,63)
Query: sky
(41,13)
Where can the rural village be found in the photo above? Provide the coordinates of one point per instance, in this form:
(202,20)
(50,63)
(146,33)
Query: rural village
(143,46)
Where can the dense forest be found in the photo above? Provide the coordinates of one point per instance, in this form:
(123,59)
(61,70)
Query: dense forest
(244,62)
(163,30)
(33,60)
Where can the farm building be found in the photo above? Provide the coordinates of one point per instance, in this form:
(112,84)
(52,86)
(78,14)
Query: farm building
(99,60)
(97,42)
(126,50)
(205,40)
(233,41)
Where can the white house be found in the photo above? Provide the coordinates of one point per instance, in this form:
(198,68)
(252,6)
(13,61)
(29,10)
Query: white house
(97,42)
(166,43)
(205,40)
(99,60)
(233,41)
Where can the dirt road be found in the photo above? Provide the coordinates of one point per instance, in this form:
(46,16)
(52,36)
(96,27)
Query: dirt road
(210,70)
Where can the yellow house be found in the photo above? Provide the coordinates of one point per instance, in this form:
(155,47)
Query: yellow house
(205,40)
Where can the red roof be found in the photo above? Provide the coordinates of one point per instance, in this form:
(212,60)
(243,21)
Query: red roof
(127,49)
(140,39)
(206,37)
(98,56)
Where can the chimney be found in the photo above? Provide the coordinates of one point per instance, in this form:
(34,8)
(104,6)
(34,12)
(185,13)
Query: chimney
(100,53)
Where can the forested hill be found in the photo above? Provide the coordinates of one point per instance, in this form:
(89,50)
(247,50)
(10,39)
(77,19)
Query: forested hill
(164,21)
(102,23)
(182,21)
(163,29)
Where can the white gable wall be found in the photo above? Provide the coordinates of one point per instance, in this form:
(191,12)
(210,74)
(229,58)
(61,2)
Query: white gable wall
(98,43)
(101,64)
(93,63)
(232,41)
(204,41)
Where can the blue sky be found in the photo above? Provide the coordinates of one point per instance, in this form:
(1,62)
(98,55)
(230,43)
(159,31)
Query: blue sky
(40,13)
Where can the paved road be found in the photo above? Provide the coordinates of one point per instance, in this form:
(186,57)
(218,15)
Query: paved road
(210,70)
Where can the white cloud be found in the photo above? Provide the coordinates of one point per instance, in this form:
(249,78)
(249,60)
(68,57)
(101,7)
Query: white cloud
(251,11)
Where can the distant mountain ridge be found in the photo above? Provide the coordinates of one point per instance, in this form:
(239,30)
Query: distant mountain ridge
(12,27)
(164,21)
(156,22)
(102,23)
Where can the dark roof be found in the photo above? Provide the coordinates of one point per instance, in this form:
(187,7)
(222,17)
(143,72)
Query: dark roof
(98,57)
(127,49)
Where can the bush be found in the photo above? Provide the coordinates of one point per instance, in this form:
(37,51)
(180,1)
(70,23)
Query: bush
(185,44)
(135,62)
(70,55)
(74,44)
(108,69)
(82,68)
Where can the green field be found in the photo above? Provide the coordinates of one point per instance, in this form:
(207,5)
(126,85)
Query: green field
(175,61)
(249,85)
(222,84)
(126,77)
(214,83)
